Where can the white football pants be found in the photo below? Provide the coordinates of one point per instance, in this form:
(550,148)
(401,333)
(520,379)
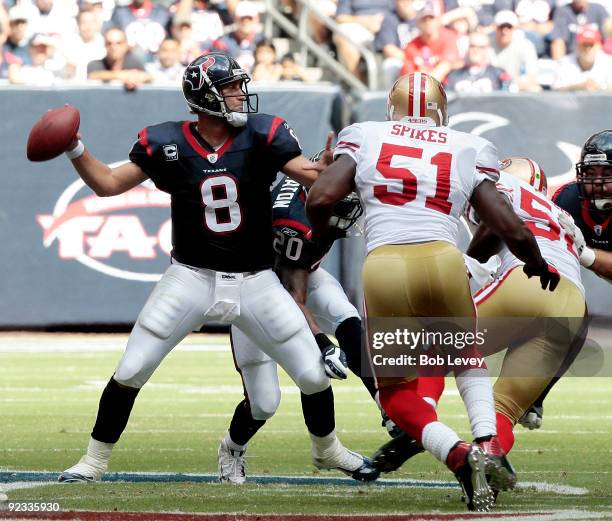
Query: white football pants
(257,366)
(186,298)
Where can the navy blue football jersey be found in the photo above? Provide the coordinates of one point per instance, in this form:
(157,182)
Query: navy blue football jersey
(292,230)
(597,232)
(220,200)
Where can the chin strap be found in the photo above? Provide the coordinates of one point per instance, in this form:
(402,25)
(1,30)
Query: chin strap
(236,119)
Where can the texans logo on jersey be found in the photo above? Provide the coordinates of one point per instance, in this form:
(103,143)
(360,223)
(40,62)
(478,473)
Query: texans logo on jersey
(196,75)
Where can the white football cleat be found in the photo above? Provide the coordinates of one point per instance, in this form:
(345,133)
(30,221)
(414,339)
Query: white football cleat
(87,469)
(340,458)
(232,467)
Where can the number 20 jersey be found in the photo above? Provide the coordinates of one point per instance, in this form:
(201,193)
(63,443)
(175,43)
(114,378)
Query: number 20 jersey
(541,216)
(220,200)
(415,180)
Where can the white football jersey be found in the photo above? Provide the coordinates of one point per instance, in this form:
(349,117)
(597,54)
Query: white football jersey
(414,180)
(541,216)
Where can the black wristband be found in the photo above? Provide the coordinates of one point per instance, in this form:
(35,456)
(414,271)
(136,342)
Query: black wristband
(323,341)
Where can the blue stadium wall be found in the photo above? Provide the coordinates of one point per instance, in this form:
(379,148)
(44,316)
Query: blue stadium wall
(70,258)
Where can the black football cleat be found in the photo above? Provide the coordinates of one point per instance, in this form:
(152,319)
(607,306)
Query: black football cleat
(393,454)
(500,473)
(468,463)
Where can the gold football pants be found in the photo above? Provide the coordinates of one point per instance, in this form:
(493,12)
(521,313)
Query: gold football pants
(541,357)
(416,280)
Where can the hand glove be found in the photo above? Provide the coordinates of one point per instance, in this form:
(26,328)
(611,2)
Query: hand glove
(334,359)
(549,276)
(585,254)
(335,364)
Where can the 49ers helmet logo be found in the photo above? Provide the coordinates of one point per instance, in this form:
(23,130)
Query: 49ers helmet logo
(108,234)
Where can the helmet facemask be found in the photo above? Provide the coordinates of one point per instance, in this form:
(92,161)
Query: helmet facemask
(594,171)
(591,186)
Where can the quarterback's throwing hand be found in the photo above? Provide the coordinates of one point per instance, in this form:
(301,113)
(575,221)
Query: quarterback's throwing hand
(335,363)
(549,276)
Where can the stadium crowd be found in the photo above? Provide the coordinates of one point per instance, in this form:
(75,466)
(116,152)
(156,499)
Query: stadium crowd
(472,46)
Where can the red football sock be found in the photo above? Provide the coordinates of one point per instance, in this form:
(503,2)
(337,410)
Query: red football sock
(504,432)
(406,408)
(430,387)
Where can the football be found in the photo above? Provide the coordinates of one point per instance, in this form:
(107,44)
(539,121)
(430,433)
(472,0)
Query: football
(52,134)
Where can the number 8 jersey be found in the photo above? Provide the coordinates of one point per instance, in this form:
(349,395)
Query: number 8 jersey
(220,199)
(414,180)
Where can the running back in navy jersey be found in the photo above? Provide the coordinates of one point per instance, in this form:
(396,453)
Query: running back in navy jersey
(292,231)
(597,232)
(220,200)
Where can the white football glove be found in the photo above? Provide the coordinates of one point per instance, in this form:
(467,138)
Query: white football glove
(586,254)
(335,364)
(532,419)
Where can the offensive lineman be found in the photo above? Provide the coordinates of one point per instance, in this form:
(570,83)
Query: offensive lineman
(588,200)
(415,176)
(218,171)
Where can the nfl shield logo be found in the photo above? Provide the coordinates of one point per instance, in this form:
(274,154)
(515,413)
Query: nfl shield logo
(597,229)
(212,158)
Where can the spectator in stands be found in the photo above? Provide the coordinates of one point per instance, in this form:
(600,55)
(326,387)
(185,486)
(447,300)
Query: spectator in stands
(589,68)
(514,53)
(607,46)
(397,29)
(206,22)
(485,10)
(290,70)
(224,8)
(463,21)
(478,76)
(318,31)
(182,32)
(241,43)
(434,50)
(17,42)
(568,19)
(167,68)
(9,63)
(51,17)
(360,21)
(85,46)
(100,9)
(144,24)
(535,19)
(266,67)
(39,71)
(119,64)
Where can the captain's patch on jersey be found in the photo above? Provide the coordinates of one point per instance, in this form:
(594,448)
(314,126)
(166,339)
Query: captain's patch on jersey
(171,152)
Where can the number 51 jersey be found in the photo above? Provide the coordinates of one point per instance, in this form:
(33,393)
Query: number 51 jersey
(220,199)
(415,180)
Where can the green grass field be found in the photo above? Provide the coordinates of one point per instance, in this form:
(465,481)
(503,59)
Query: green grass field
(49,399)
